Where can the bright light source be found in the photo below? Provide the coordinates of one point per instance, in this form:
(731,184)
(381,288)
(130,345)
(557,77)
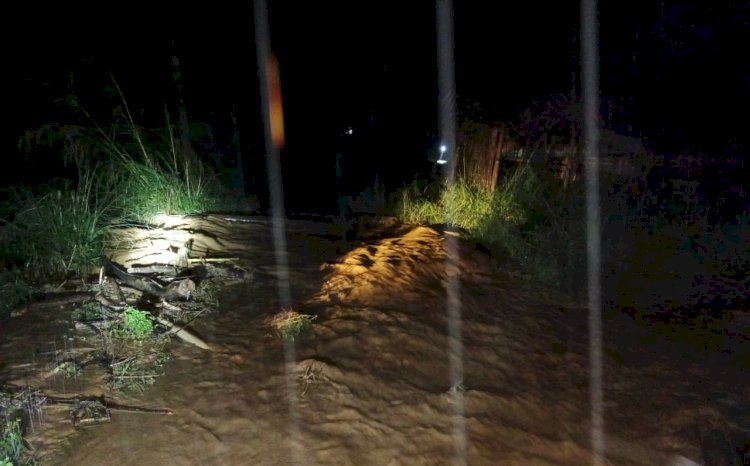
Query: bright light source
(441,160)
(350,131)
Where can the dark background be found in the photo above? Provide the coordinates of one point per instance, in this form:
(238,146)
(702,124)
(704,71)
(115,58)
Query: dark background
(677,70)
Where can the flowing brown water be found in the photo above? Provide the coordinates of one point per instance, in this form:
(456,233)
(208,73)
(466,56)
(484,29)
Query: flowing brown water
(373,375)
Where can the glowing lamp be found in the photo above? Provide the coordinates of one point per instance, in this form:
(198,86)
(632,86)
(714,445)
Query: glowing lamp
(441,160)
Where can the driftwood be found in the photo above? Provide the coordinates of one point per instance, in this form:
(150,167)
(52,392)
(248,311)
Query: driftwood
(181,289)
(183,334)
(57,400)
(203,260)
(168,270)
(65,298)
(87,411)
(175,290)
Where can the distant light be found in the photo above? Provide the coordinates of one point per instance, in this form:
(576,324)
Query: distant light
(350,131)
(441,160)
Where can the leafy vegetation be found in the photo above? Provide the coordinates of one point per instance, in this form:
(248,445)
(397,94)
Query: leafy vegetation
(136,324)
(134,364)
(13,450)
(11,443)
(133,354)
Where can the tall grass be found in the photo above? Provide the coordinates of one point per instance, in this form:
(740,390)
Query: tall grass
(57,231)
(519,220)
(158,173)
(119,171)
(11,443)
(14,408)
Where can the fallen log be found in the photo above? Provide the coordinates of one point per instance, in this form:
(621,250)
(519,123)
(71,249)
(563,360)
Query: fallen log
(73,400)
(175,290)
(183,334)
(168,270)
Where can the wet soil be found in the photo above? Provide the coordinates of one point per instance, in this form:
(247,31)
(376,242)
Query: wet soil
(371,384)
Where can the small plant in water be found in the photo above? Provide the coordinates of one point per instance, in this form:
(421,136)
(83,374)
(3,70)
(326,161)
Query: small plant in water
(132,352)
(128,376)
(11,443)
(69,369)
(290,324)
(137,324)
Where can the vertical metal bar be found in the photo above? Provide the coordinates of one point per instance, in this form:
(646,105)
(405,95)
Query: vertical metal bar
(590,90)
(447,116)
(446,83)
(270,89)
(268,76)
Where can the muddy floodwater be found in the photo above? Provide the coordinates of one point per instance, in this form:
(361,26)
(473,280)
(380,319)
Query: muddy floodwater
(370,383)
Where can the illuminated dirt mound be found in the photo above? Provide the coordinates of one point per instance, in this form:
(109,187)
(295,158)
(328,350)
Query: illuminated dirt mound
(382,349)
(404,268)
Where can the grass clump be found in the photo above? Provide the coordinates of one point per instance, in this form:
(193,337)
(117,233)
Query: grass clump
(161,178)
(11,443)
(136,324)
(134,365)
(56,232)
(14,451)
(519,219)
(291,324)
(133,354)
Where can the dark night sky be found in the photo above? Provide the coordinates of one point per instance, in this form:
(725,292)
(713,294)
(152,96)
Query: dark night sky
(372,65)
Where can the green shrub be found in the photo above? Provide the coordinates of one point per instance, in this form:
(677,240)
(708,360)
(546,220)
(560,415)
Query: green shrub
(136,324)
(11,443)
